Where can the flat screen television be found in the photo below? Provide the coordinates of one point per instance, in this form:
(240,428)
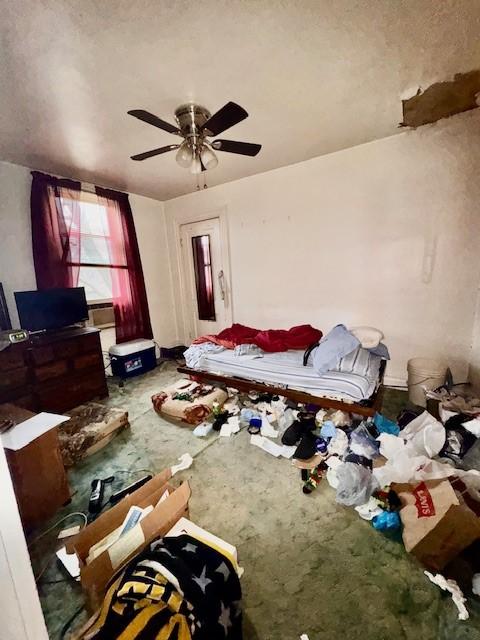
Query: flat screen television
(51,308)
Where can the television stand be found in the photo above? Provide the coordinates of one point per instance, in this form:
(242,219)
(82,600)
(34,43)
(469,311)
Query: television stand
(54,371)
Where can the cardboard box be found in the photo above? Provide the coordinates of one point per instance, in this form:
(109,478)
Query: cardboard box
(96,575)
(440,519)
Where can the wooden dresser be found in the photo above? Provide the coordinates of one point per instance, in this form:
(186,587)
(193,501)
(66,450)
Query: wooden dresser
(38,474)
(54,371)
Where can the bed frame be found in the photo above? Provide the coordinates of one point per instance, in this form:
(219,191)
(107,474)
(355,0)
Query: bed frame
(365,408)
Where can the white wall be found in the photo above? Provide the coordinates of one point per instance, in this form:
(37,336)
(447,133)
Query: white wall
(151,231)
(349,237)
(16,261)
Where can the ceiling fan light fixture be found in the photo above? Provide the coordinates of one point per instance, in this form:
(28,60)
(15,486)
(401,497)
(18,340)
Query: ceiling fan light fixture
(208,158)
(196,166)
(184,156)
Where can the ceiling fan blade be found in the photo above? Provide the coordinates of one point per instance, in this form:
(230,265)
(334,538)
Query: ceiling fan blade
(225,118)
(243,148)
(149,118)
(155,152)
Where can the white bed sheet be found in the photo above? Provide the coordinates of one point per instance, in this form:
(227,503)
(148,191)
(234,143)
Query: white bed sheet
(286,369)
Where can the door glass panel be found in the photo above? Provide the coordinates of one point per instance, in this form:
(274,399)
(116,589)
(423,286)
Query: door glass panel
(203,277)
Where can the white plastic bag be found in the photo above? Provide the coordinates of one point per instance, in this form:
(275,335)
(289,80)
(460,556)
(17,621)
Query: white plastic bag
(355,484)
(425,436)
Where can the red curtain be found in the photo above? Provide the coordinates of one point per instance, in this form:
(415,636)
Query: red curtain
(132,318)
(55,230)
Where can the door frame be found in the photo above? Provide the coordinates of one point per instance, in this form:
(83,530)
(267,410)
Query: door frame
(19,581)
(191,218)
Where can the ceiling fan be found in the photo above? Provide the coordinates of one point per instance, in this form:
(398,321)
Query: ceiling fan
(195,124)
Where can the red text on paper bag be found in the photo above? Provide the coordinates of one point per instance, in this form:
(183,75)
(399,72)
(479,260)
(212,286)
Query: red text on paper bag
(423,501)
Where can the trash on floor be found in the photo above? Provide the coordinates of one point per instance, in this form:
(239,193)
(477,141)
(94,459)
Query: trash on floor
(185,559)
(440,519)
(184,462)
(451,586)
(95,572)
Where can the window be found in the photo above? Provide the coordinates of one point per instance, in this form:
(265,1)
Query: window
(202,266)
(100,254)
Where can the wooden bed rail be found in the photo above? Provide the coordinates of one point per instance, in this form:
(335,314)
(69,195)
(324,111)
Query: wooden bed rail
(374,403)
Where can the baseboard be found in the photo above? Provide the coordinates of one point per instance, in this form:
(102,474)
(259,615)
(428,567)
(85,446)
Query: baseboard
(390,381)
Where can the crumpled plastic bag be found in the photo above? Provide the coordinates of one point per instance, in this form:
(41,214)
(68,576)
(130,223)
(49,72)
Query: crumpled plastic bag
(387,521)
(369,510)
(355,484)
(362,443)
(425,436)
(333,463)
(403,468)
(338,444)
(384,425)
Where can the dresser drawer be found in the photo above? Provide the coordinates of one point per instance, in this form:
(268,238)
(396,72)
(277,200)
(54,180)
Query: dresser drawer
(41,355)
(67,348)
(12,357)
(13,378)
(90,343)
(89,361)
(70,391)
(51,370)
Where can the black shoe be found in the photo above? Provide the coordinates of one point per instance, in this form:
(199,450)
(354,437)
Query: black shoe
(307,447)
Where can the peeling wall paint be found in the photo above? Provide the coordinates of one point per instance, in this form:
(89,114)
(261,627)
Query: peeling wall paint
(442,100)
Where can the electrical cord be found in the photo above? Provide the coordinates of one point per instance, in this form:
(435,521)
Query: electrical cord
(44,533)
(54,526)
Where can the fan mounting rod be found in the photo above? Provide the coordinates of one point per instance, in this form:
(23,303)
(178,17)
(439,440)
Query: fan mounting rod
(190,118)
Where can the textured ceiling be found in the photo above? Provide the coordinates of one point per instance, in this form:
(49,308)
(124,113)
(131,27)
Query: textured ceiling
(316,76)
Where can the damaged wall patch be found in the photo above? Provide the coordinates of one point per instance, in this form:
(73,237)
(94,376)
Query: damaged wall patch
(442,100)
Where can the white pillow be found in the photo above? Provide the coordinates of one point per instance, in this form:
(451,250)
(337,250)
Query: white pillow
(369,336)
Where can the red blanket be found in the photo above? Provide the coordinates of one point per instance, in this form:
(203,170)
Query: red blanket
(270,340)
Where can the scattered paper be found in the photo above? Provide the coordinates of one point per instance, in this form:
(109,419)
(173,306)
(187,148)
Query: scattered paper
(234,422)
(225,430)
(134,516)
(272,448)
(267,429)
(230,427)
(67,533)
(304,636)
(29,430)
(451,586)
(185,461)
(70,562)
(125,545)
(203,429)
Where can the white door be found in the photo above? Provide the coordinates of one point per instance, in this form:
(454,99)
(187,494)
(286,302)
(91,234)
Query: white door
(206,285)
(21,616)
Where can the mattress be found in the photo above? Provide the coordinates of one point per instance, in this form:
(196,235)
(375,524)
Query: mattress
(286,369)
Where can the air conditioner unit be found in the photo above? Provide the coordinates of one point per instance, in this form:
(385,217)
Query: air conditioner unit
(101,316)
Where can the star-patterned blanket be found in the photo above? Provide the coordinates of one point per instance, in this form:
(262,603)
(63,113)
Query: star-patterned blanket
(180,588)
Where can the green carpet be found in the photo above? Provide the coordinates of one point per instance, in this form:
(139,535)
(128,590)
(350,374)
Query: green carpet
(311,566)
